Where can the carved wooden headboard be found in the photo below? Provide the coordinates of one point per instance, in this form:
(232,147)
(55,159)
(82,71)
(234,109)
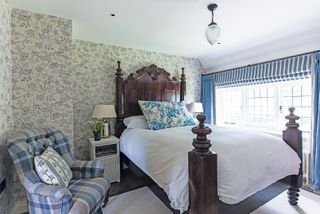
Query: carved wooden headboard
(148,83)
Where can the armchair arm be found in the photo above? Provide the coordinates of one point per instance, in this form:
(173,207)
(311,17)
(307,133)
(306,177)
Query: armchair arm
(42,189)
(87,169)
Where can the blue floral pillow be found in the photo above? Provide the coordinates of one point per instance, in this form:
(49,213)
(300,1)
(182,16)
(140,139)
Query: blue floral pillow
(160,115)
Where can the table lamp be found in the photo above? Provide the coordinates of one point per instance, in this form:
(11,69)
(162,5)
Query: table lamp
(104,112)
(195,108)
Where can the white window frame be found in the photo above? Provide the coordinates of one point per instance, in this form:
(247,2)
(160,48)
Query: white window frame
(278,125)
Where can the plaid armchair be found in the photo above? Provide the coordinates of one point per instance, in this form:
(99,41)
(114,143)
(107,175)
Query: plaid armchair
(87,189)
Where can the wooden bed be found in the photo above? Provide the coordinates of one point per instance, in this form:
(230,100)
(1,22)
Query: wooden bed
(155,84)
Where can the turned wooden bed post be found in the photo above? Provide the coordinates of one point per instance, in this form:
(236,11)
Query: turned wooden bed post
(202,163)
(119,99)
(182,85)
(293,137)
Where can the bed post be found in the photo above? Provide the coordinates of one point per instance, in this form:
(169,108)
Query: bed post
(119,105)
(182,85)
(202,164)
(293,137)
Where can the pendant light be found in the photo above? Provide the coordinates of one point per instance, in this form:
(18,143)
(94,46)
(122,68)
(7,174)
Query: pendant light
(213,30)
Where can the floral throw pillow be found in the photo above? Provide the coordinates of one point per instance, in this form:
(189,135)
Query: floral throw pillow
(52,168)
(160,115)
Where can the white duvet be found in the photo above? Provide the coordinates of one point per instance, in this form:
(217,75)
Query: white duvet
(248,161)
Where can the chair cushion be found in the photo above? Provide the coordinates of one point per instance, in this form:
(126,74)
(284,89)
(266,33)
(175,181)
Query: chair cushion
(52,168)
(87,194)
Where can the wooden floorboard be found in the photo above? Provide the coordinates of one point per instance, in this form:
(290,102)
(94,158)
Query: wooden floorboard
(131,181)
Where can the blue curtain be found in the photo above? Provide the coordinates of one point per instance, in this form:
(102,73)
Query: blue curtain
(208,97)
(316,123)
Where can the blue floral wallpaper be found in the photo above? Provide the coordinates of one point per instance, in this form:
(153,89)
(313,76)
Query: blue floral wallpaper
(41,74)
(94,80)
(5,101)
(56,81)
(41,49)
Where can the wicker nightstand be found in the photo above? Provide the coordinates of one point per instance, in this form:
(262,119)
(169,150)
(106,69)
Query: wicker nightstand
(107,149)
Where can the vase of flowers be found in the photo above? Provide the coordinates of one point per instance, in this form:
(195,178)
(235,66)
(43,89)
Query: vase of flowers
(97,126)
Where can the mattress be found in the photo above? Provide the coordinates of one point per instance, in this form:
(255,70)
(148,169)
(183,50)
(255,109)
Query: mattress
(248,161)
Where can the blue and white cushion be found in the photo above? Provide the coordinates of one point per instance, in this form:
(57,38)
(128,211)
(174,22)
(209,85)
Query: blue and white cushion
(160,115)
(52,168)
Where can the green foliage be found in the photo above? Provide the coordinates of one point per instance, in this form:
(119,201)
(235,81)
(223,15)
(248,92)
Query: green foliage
(96,125)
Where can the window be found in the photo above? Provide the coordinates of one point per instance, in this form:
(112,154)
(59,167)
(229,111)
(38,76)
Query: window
(230,107)
(260,106)
(299,96)
(266,105)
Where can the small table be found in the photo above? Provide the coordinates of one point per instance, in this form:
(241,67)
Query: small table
(107,150)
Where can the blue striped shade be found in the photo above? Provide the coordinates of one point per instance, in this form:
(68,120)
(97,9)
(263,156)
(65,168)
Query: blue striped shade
(293,68)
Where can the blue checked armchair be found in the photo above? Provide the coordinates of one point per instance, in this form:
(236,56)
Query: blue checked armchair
(86,191)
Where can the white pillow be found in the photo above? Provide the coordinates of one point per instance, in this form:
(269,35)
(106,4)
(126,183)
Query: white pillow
(52,168)
(136,122)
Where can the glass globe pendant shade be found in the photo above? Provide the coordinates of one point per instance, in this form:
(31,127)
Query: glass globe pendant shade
(213,32)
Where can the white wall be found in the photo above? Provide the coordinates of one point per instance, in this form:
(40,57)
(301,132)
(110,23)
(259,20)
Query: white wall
(301,43)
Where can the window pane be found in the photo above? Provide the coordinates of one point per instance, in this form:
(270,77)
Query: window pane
(250,102)
(270,92)
(306,90)
(250,93)
(288,101)
(229,109)
(263,92)
(260,106)
(306,101)
(296,90)
(297,101)
(287,91)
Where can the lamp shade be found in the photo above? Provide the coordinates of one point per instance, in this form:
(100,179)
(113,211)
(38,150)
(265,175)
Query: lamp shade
(104,111)
(213,32)
(195,107)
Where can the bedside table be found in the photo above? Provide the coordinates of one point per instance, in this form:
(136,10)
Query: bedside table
(107,150)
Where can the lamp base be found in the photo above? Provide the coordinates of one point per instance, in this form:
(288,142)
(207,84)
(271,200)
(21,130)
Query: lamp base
(106,130)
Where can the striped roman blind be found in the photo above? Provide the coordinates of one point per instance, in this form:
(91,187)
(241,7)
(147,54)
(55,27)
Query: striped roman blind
(293,68)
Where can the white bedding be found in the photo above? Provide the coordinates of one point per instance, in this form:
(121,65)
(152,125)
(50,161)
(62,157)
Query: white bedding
(248,161)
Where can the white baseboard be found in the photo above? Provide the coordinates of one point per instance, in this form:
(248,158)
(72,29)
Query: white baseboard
(20,207)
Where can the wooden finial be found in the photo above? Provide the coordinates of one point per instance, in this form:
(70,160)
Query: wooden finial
(183,76)
(119,70)
(201,143)
(292,124)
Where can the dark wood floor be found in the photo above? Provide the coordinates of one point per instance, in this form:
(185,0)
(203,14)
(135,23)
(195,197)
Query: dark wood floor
(131,181)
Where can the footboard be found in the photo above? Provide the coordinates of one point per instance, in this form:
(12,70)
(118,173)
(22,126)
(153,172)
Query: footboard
(203,175)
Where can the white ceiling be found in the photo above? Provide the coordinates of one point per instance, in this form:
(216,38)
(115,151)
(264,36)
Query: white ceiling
(252,30)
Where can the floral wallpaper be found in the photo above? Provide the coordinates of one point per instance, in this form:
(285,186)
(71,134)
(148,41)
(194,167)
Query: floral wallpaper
(5,101)
(94,80)
(41,74)
(41,48)
(56,81)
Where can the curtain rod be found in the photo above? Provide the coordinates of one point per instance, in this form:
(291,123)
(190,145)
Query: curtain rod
(262,62)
